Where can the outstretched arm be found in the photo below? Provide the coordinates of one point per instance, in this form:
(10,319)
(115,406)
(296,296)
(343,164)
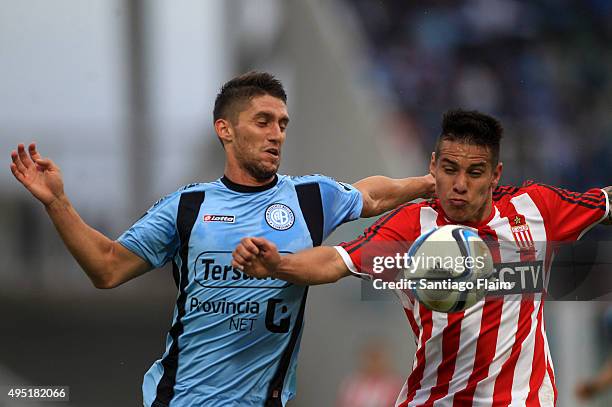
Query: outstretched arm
(260,258)
(106,262)
(381,194)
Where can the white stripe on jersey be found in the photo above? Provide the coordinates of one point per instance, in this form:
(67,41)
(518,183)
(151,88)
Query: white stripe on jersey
(428,219)
(520,384)
(349,263)
(546,395)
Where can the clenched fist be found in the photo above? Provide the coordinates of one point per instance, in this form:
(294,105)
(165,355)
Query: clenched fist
(257,257)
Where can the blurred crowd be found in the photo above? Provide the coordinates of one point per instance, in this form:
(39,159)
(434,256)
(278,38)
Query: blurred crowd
(543,67)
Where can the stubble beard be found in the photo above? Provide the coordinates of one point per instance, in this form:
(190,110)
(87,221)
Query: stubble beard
(258,170)
(252,165)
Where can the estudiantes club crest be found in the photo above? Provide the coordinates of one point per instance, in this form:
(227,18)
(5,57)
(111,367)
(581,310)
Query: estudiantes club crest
(279,216)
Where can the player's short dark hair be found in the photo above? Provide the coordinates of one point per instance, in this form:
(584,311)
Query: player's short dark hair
(471,127)
(241,89)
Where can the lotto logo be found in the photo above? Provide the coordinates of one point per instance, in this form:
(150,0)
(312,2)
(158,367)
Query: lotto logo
(219,218)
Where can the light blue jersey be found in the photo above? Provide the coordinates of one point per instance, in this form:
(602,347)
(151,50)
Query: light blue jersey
(234,339)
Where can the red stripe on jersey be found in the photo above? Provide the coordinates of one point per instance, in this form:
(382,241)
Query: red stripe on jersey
(413,324)
(450,347)
(592,197)
(502,392)
(348,246)
(414,381)
(579,198)
(538,369)
(489,329)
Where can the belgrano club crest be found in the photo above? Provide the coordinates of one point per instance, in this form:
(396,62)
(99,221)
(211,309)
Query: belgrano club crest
(522,234)
(279,216)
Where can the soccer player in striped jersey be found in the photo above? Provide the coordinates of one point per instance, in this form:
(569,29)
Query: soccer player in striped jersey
(234,339)
(494,353)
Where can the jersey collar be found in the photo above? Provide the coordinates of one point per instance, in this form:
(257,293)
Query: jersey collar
(247,188)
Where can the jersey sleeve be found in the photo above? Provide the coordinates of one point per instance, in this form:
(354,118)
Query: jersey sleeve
(341,203)
(390,235)
(569,215)
(154,236)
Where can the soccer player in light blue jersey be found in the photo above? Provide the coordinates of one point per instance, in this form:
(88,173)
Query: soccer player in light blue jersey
(234,339)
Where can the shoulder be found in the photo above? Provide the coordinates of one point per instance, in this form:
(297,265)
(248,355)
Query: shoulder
(199,187)
(542,191)
(531,187)
(401,224)
(407,215)
(325,182)
(306,179)
(174,197)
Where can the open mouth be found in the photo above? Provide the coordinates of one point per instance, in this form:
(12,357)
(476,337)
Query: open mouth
(273,151)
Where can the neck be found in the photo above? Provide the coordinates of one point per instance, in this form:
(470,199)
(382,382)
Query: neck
(242,177)
(484,213)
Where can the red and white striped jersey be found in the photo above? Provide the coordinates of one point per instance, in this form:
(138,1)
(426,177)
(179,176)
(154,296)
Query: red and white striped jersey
(495,353)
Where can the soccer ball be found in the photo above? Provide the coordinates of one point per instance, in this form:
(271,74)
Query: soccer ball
(450,267)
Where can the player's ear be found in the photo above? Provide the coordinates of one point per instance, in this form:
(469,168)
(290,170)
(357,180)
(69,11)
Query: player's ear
(224,130)
(432,164)
(497,172)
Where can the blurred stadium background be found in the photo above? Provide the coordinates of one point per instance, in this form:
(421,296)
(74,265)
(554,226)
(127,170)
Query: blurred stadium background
(120,94)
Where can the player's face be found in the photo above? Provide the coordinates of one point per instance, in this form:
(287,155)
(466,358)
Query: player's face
(465,179)
(259,135)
